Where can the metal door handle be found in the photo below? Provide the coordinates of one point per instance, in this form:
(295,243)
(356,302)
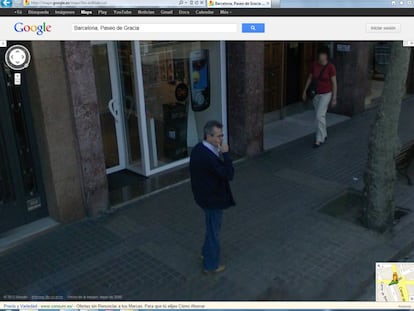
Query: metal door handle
(112,109)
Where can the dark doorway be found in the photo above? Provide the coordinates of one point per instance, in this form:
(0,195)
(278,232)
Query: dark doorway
(22,198)
(274,76)
(286,67)
(293,72)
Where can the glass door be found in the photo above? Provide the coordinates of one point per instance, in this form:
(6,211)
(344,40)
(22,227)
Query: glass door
(112,126)
(115,83)
(183,85)
(154,99)
(128,89)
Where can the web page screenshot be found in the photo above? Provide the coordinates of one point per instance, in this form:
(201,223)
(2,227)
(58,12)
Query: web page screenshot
(202,154)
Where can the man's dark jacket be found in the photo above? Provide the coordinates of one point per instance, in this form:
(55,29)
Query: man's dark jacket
(210,176)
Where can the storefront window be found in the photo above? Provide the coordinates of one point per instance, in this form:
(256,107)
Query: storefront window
(182,90)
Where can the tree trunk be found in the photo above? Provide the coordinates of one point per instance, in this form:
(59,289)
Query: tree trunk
(384,144)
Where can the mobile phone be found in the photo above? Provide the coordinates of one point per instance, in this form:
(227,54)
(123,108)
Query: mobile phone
(199,80)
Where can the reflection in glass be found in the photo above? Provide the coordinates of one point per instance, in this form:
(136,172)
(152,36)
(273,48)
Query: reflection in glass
(168,68)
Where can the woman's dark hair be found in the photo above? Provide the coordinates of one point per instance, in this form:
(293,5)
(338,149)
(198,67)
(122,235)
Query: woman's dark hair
(323,50)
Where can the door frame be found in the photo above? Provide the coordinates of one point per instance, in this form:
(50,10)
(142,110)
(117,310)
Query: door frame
(116,99)
(117,110)
(114,68)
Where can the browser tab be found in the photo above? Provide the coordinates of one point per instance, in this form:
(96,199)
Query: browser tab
(240,4)
(276,3)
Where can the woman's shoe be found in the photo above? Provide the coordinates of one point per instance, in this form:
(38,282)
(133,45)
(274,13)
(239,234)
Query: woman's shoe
(317,145)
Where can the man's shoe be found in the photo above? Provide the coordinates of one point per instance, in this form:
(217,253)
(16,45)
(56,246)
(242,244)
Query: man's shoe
(220,268)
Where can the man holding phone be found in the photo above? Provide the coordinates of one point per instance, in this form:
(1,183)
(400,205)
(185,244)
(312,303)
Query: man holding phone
(211,170)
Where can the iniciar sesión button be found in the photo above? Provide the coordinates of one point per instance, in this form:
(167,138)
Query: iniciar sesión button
(383,28)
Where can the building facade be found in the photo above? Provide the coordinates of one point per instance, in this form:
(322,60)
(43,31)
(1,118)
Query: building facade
(87,110)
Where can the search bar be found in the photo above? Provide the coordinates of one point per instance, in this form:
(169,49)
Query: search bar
(154,28)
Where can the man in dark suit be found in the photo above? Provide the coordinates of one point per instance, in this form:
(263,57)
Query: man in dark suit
(211,169)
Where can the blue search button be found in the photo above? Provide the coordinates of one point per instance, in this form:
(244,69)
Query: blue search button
(253,28)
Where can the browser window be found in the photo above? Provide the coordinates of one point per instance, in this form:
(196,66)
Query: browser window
(200,154)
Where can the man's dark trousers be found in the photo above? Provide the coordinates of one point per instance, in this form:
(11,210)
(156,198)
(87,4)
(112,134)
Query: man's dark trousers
(211,247)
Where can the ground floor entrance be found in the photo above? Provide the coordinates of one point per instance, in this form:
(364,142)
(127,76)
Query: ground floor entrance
(154,98)
(286,68)
(22,197)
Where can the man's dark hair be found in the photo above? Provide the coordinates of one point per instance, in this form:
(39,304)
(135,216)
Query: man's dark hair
(209,127)
(324,50)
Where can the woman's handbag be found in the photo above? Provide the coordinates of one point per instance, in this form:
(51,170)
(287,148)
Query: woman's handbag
(313,86)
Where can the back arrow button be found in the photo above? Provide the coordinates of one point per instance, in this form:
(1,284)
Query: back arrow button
(6,3)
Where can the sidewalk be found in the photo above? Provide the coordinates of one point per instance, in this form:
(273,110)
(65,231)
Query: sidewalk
(276,243)
(277,133)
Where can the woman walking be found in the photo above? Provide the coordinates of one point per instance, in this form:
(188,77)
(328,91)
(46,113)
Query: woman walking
(321,88)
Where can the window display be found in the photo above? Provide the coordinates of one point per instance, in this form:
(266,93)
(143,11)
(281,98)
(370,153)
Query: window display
(200,82)
(179,96)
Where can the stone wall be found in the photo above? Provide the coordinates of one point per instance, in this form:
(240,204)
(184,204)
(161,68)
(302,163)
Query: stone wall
(52,117)
(85,111)
(66,117)
(245,82)
(353,76)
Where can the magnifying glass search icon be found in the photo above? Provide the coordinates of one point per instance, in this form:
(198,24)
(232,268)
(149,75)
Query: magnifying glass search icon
(253,28)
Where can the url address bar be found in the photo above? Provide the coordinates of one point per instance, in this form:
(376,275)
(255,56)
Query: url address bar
(160,28)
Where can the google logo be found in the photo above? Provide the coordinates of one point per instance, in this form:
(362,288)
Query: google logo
(38,29)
